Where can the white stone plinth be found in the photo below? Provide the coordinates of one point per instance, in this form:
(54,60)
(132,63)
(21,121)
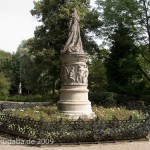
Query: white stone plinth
(74,93)
(74,101)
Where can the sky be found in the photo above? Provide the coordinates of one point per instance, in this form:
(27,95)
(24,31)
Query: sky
(16,23)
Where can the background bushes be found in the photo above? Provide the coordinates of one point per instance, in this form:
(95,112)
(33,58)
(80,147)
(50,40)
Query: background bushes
(103,98)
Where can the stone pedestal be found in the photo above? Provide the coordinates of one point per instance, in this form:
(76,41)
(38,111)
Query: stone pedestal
(74,81)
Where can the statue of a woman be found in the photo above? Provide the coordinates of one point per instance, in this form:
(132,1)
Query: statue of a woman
(74,43)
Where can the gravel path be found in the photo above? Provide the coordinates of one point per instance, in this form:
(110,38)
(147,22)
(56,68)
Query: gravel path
(139,145)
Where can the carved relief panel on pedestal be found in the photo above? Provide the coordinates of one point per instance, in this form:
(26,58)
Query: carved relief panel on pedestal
(74,74)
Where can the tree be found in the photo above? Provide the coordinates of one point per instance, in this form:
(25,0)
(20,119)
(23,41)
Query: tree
(133,14)
(35,78)
(5,58)
(5,83)
(27,74)
(10,68)
(114,12)
(54,15)
(97,72)
(143,40)
(123,74)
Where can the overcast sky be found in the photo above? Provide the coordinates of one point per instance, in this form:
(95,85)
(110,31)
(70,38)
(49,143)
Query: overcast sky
(16,23)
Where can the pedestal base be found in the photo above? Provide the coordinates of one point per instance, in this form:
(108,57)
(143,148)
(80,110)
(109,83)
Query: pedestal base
(74,102)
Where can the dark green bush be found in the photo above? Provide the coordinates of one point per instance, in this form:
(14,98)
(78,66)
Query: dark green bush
(125,99)
(103,98)
(146,99)
(28,98)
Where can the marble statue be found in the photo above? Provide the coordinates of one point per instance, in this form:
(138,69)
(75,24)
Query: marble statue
(74,74)
(20,89)
(74,43)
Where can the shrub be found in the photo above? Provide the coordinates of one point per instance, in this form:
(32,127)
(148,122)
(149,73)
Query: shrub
(103,98)
(27,98)
(146,99)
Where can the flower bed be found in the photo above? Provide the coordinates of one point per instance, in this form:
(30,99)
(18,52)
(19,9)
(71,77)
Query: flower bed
(50,113)
(64,131)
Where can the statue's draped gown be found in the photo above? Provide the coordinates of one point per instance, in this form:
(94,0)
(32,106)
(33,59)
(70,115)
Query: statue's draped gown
(74,43)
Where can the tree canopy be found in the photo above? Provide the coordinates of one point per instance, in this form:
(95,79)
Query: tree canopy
(134,15)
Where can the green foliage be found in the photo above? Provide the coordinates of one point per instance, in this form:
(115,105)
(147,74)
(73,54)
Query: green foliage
(4,85)
(97,81)
(5,58)
(5,61)
(54,15)
(122,24)
(14,74)
(134,15)
(51,35)
(144,63)
(9,66)
(103,98)
(114,12)
(97,72)
(123,72)
(28,98)
(28,71)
